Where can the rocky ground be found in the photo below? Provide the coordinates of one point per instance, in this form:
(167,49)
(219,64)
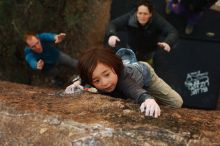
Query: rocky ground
(38,116)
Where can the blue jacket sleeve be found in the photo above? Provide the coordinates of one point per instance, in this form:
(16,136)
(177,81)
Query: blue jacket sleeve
(50,37)
(29,57)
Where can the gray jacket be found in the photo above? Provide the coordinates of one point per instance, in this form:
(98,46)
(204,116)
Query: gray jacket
(133,82)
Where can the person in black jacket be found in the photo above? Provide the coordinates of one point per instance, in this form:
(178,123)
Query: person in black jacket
(146,31)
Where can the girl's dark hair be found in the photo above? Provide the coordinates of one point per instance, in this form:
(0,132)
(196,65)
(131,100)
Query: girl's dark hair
(91,57)
(145,3)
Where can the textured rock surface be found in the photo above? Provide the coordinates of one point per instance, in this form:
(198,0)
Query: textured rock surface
(34,116)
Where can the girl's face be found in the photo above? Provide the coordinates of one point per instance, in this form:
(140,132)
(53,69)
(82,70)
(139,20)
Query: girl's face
(104,78)
(143,14)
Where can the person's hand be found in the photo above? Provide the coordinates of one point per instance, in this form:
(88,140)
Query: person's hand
(113,40)
(165,46)
(73,88)
(40,64)
(59,37)
(150,107)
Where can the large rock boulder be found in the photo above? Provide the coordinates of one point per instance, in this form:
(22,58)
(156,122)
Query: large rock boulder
(35,116)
